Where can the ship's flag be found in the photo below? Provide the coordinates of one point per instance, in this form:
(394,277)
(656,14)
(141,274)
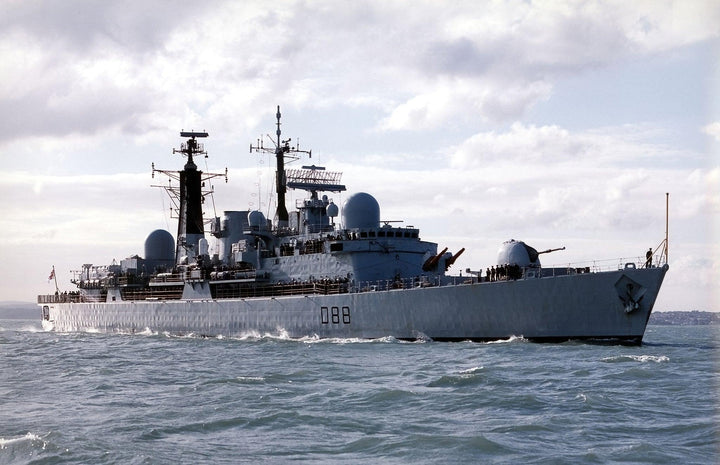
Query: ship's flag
(52,275)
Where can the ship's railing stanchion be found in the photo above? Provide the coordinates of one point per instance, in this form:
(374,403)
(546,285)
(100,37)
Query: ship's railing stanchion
(597,266)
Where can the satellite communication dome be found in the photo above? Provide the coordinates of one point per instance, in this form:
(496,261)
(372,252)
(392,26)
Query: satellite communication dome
(361,210)
(514,252)
(256,219)
(160,245)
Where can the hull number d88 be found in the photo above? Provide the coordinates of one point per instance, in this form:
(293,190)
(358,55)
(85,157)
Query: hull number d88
(335,315)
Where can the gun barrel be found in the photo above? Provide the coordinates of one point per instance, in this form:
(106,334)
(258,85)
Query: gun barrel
(552,250)
(432,262)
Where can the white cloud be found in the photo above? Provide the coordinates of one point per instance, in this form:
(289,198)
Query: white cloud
(423,66)
(463,100)
(104,87)
(548,144)
(713,130)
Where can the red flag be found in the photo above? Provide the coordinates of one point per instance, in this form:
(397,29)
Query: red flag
(52,275)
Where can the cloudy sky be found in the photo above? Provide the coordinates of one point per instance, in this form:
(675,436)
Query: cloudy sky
(557,123)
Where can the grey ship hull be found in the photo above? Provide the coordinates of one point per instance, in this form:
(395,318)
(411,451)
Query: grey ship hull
(581,306)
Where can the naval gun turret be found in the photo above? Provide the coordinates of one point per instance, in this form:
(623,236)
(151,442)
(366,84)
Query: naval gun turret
(518,253)
(517,259)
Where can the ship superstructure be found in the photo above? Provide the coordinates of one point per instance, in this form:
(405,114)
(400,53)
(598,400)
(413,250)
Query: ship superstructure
(329,272)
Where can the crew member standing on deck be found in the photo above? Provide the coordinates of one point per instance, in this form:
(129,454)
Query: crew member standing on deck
(648,258)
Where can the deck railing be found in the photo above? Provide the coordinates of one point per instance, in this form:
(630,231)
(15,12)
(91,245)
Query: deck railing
(325,287)
(612,264)
(65,297)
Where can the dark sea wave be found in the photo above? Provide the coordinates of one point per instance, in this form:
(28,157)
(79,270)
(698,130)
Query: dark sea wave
(156,399)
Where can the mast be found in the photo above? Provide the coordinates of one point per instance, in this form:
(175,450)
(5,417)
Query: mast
(667,213)
(190,221)
(282,150)
(188,199)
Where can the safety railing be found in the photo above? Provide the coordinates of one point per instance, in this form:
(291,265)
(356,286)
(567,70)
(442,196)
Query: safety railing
(612,264)
(59,298)
(342,286)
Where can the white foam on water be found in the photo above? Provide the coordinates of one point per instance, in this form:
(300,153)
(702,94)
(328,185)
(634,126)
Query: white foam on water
(252,335)
(315,339)
(147,332)
(637,358)
(32,328)
(5,443)
(310,339)
(511,339)
(347,340)
(651,358)
(280,334)
(248,336)
(472,370)
(258,379)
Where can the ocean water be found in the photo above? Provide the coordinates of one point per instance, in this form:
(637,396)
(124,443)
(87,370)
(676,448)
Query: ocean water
(156,399)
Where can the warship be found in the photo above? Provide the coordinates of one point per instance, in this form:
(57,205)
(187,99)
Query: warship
(302,274)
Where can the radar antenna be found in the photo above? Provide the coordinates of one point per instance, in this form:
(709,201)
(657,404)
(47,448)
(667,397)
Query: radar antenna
(313,179)
(192,146)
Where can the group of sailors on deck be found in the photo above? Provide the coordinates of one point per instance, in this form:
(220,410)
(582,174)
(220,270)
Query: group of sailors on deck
(502,273)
